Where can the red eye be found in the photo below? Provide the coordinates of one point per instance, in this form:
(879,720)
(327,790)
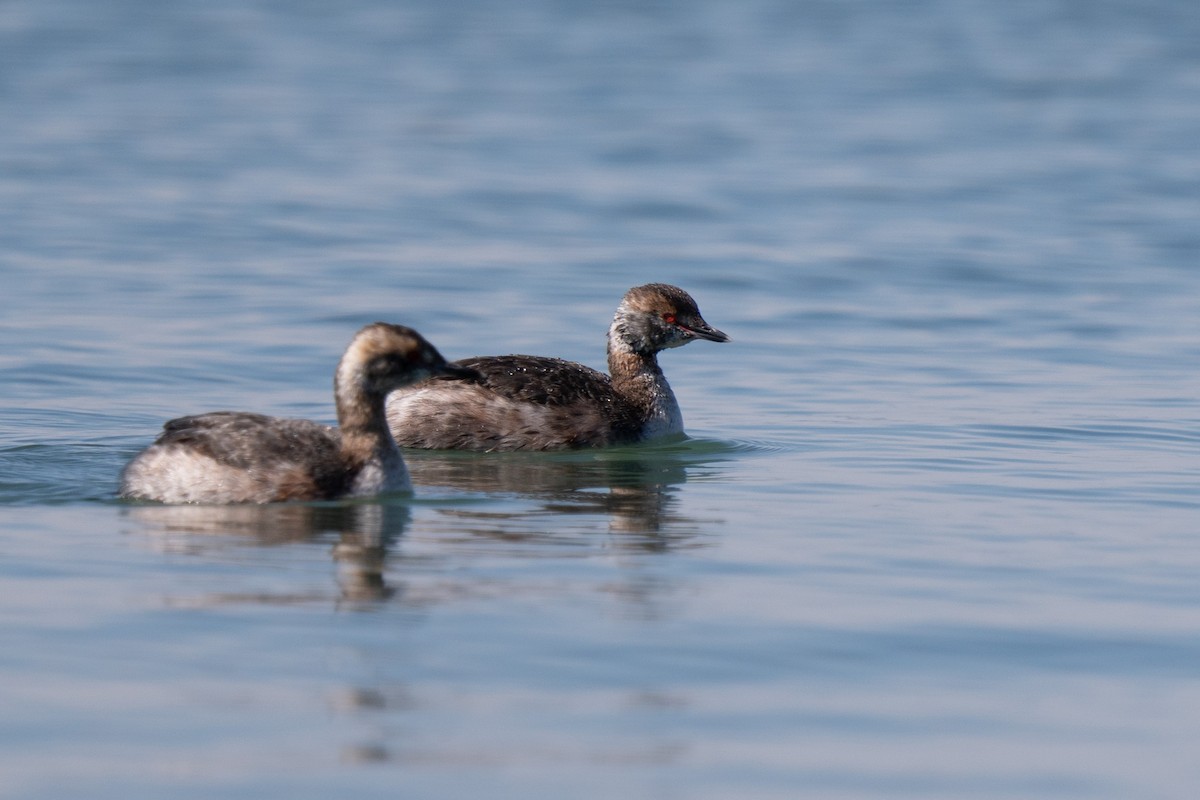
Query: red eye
(669,319)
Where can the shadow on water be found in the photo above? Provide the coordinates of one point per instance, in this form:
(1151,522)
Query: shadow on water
(363,534)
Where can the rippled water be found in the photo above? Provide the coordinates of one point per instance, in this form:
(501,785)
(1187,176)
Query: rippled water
(934,534)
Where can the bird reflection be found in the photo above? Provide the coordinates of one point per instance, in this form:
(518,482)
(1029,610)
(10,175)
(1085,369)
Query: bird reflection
(633,487)
(516,504)
(362,533)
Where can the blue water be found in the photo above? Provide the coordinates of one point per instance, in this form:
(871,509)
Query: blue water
(934,534)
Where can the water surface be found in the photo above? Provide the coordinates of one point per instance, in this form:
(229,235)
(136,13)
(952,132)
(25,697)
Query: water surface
(933,534)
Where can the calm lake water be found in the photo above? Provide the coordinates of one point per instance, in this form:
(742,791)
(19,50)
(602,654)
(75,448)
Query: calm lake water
(934,534)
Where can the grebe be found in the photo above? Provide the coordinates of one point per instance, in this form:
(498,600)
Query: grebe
(236,457)
(535,403)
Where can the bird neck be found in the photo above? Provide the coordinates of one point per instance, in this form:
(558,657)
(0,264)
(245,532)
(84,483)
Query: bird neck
(362,421)
(637,377)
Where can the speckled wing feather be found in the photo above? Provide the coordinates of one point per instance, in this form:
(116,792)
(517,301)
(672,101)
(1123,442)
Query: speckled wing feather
(585,393)
(518,402)
(546,381)
(245,440)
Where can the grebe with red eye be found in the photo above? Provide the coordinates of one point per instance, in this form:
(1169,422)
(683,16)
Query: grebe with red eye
(538,403)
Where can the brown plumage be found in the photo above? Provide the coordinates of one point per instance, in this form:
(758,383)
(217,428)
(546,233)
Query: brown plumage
(239,457)
(536,403)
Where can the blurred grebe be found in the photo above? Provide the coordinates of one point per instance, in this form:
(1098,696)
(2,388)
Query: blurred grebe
(236,457)
(535,403)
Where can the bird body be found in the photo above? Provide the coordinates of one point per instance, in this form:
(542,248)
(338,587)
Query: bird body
(242,457)
(523,402)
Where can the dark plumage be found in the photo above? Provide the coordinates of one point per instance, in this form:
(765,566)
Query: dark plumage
(246,441)
(525,402)
(239,457)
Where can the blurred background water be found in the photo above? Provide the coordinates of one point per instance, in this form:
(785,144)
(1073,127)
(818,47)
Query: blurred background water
(934,534)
